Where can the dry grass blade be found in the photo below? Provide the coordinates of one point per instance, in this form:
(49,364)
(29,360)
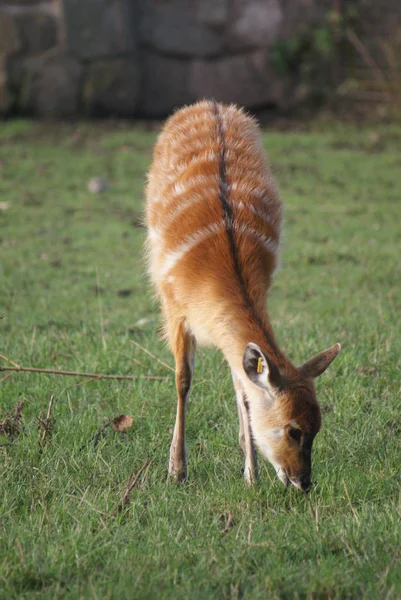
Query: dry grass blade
(390,564)
(7,376)
(130,486)
(48,422)
(84,500)
(227,521)
(99,300)
(350,504)
(314,513)
(153,356)
(367,370)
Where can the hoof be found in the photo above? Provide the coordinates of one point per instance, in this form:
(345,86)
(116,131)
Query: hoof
(179,473)
(177,465)
(177,468)
(250,476)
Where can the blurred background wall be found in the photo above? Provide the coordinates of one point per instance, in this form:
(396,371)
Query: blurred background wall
(145,57)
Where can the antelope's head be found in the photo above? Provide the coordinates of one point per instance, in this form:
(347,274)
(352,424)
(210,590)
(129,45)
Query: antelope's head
(285,415)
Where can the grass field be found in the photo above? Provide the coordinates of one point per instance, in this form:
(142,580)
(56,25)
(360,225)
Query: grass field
(73,295)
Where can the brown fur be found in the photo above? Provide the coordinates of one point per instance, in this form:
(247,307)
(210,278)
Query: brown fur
(207,271)
(214,217)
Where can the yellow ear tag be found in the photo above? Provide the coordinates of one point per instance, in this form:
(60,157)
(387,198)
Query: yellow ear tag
(259,368)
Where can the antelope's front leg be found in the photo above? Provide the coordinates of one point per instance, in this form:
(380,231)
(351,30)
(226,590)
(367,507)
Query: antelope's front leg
(184,352)
(245,433)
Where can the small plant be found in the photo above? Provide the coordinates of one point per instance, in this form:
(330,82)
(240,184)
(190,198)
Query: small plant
(383,77)
(11,425)
(313,54)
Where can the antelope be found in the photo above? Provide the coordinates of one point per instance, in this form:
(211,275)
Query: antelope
(213,217)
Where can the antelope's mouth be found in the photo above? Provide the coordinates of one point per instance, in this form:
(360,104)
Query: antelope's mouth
(282,475)
(297,484)
(301,483)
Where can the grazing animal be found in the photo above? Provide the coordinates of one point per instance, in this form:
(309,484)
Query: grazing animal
(213,216)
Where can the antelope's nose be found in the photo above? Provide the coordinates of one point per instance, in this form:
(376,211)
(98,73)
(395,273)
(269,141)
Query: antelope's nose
(305,482)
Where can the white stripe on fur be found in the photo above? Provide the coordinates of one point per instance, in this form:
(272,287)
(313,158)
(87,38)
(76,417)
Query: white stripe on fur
(267,242)
(172,258)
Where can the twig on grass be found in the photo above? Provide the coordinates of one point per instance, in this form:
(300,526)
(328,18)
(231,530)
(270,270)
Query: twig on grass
(130,486)
(120,424)
(132,482)
(99,432)
(96,436)
(10,361)
(90,375)
(153,356)
(18,368)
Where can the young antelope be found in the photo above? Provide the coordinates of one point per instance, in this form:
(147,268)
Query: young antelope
(213,216)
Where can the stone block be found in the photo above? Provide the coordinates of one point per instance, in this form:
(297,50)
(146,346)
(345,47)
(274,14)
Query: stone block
(10,41)
(214,13)
(165,84)
(174,28)
(248,80)
(112,87)
(301,15)
(38,31)
(23,3)
(255,24)
(5,96)
(100,28)
(49,85)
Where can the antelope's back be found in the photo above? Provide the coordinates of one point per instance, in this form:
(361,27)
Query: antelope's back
(213,213)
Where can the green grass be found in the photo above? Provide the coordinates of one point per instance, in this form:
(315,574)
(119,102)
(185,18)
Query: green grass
(339,282)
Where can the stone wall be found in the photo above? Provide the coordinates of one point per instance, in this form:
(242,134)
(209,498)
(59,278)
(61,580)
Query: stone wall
(128,57)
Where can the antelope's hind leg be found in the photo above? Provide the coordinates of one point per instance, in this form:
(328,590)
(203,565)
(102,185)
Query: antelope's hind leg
(184,346)
(245,434)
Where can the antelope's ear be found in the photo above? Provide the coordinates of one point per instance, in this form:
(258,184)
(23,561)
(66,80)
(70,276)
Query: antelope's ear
(319,363)
(259,368)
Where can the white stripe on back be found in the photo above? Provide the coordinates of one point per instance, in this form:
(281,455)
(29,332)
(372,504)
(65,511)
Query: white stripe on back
(255,210)
(181,207)
(198,196)
(267,242)
(178,189)
(172,258)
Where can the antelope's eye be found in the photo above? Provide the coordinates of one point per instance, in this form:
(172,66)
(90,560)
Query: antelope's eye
(296,434)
